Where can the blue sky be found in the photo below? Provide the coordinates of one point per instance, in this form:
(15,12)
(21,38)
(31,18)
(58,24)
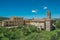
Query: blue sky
(24,8)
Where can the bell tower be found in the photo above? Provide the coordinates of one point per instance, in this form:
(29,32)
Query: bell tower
(48,21)
(48,14)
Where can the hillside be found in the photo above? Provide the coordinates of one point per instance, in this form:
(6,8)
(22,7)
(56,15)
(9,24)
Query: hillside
(3,18)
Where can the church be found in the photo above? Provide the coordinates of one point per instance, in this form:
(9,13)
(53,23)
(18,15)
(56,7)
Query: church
(44,23)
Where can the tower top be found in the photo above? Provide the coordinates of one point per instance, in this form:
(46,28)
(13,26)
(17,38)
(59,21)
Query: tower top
(48,14)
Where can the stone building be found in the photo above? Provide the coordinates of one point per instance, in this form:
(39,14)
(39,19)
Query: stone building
(45,23)
(13,21)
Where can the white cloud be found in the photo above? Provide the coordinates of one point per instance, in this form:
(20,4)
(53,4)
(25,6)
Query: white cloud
(45,7)
(34,11)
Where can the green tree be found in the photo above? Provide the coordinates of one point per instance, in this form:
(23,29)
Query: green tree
(57,23)
(58,35)
(53,37)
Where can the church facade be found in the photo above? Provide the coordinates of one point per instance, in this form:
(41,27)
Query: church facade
(45,23)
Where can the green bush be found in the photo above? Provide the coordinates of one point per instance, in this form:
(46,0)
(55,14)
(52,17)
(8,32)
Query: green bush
(4,38)
(27,32)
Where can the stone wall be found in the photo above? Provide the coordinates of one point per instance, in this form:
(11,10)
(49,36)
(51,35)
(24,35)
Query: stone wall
(38,25)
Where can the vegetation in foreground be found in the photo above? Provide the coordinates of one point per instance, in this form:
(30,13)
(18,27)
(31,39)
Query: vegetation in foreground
(27,33)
